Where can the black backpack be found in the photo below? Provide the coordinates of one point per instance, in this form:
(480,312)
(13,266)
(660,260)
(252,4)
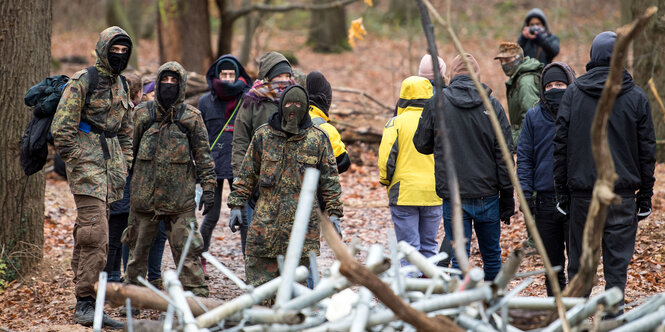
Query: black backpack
(44,97)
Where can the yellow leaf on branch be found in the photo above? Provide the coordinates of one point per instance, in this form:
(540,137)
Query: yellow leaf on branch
(369,3)
(356,31)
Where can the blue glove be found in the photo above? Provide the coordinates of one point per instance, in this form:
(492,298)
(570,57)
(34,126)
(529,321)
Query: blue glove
(335,222)
(235,219)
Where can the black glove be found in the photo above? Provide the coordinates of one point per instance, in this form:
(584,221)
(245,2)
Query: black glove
(643,207)
(531,202)
(235,219)
(506,205)
(563,203)
(207,201)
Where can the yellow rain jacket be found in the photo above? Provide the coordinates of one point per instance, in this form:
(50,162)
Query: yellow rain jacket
(408,174)
(320,120)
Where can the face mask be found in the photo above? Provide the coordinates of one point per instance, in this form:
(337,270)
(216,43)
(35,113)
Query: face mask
(553,98)
(511,67)
(289,124)
(118,61)
(168,93)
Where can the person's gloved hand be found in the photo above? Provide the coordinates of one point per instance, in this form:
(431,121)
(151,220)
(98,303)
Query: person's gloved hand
(335,222)
(207,201)
(235,219)
(563,203)
(531,202)
(643,207)
(506,206)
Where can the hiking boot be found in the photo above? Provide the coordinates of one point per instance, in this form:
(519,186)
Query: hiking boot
(205,271)
(84,314)
(158,283)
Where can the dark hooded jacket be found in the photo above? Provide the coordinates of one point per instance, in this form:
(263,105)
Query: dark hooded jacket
(544,47)
(253,113)
(214,112)
(481,171)
(630,130)
(170,156)
(535,156)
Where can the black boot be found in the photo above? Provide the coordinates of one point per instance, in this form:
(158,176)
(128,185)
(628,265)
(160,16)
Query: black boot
(85,315)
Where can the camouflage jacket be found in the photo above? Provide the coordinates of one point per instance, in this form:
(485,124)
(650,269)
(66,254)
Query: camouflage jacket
(164,176)
(109,109)
(276,163)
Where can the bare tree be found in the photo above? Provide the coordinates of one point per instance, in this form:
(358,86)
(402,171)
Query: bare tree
(327,29)
(25,49)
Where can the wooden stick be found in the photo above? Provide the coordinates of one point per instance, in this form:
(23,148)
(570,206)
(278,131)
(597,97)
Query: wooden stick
(142,297)
(652,86)
(603,190)
(364,94)
(358,274)
(508,159)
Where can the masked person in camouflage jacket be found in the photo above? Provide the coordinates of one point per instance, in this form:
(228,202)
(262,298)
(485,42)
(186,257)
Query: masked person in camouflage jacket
(164,178)
(94,139)
(275,162)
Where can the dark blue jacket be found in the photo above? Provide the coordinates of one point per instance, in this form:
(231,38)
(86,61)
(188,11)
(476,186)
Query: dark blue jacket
(213,112)
(535,151)
(122,206)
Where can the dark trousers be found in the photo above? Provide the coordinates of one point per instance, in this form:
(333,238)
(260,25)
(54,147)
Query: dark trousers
(618,238)
(553,229)
(154,257)
(210,220)
(117,224)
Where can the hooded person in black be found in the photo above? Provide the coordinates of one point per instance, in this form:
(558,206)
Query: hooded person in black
(536,39)
(632,144)
(485,187)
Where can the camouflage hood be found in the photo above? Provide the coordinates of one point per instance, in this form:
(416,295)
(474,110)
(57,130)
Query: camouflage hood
(175,67)
(103,45)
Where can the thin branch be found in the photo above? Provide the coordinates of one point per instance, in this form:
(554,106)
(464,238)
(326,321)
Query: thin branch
(603,190)
(459,240)
(652,87)
(364,94)
(508,159)
(235,14)
(358,274)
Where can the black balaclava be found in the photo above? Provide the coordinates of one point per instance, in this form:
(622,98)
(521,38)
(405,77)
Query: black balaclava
(168,92)
(118,61)
(282,67)
(227,64)
(319,91)
(294,94)
(553,96)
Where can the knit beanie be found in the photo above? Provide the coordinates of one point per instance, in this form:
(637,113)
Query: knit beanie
(555,73)
(425,68)
(278,69)
(319,90)
(459,68)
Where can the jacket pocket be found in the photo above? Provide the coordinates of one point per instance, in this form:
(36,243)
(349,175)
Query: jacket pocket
(178,151)
(306,161)
(148,144)
(269,170)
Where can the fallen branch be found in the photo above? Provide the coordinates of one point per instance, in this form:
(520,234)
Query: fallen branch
(358,274)
(603,190)
(364,94)
(144,298)
(652,86)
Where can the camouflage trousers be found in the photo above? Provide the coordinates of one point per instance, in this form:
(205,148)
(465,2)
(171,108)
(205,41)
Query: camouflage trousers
(91,243)
(259,270)
(140,234)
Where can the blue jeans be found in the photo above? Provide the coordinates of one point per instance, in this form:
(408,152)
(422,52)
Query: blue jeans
(481,215)
(417,225)
(154,257)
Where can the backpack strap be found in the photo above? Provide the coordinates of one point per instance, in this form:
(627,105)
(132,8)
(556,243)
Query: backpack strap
(93,79)
(125,86)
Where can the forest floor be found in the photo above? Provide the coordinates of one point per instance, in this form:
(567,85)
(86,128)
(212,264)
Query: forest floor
(43,299)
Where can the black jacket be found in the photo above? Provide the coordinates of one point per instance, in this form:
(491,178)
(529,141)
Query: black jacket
(544,47)
(478,161)
(630,133)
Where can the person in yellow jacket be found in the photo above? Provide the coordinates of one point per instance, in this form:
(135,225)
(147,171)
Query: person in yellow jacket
(409,175)
(320,98)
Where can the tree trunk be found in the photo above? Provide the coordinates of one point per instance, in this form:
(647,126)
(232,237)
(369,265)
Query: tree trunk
(184,33)
(225,37)
(25,50)
(128,17)
(649,60)
(327,29)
